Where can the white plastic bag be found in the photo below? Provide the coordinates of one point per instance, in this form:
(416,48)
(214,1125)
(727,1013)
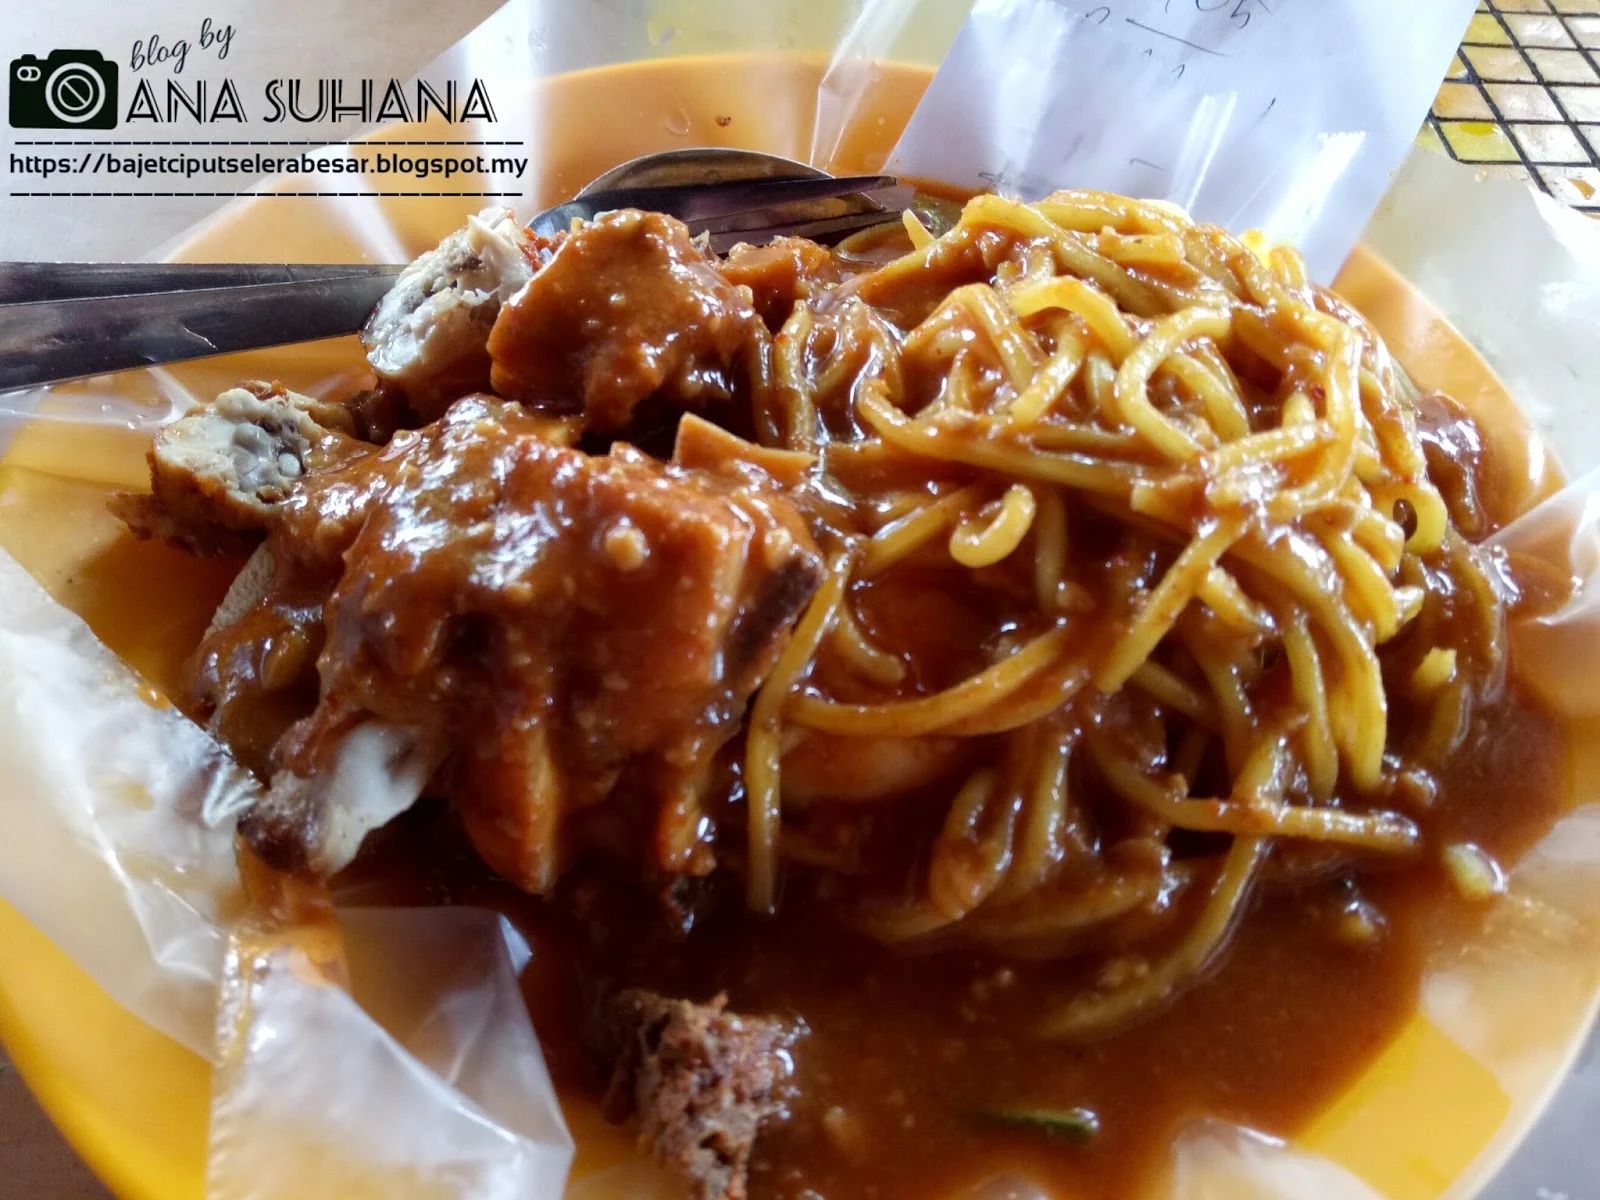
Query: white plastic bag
(1288,118)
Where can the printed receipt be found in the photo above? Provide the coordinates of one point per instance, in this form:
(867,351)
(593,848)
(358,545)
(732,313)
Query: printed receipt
(1287,116)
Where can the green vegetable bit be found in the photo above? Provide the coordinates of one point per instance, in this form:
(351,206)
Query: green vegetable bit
(1065,1124)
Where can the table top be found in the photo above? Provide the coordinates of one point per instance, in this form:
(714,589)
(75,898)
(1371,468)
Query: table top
(38,1165)
(1521,100)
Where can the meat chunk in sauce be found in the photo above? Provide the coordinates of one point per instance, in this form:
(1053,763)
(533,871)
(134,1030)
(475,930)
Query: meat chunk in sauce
(549,629)
(701,1081)
(781,274)
(219,475)
(627,311)
(428,336)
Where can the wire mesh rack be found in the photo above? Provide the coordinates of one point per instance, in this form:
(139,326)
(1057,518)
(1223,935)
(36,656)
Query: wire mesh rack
(1522,98)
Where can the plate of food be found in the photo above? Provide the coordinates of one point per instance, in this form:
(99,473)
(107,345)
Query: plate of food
(1025,702)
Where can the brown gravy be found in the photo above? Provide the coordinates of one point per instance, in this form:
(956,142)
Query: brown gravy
(896,1062)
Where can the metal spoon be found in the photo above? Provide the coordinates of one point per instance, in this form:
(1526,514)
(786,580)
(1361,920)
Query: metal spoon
(66,321)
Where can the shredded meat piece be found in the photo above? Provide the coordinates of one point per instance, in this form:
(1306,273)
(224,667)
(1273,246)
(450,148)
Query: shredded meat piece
(700,1079)
(781,274)
(1456,455)
(627,310)
(547,626)
(219,475)
(428,335)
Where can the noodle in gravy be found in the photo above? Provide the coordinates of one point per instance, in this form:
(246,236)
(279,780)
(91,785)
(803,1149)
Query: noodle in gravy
(1047,668)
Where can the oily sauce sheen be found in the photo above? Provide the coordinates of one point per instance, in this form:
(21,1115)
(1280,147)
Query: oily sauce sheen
(892,1067)
(897,1059)
(898,1062)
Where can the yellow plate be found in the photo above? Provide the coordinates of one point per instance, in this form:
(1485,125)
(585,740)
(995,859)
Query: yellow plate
(133,1103)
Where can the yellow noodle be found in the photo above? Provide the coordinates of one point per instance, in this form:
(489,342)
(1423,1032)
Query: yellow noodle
(1339,387)
(1365,584)
(800,430)
(1388,419)
(1090,212)
(1254,330)
(1222,594)
(1085,439)
(891,506)
(845,459)
(1100,385)
(851,644)
(1013,457)
(1174,692)
(1432,518)
(1133,378)
(1075,255)
(919,233)
(1224,675)
(1177,587)
(1446,723)
(1437,668)
(959,387)
(1045,693)
(1377,535)
(1041,925)
(981,542)
(1359,708)
(1468,567)
(1143,250)
(968,864)
(1289,267)
(1049,549)
(1050,917)
(1298,410)
(1408,603)
(1097,310)
(1095,383)
(1310,690)
(1036,397)
(930,714)
(1219,397)
(1382,831)
(1096,1011)
(901,536)
(850,352)
(1258,449)
(1017,351)
(762,741)
(1043,832)
(1255,282)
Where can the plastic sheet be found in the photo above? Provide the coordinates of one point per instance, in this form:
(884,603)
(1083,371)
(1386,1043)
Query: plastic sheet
(1283,118)
(115,823)
(392,1055)
(423,1079)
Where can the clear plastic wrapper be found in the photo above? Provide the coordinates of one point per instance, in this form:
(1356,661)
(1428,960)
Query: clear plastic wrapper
(1466,248)
(440,1088)
(391,1054)
(116,817)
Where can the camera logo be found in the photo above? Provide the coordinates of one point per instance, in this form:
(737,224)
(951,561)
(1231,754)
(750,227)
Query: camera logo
(72,89)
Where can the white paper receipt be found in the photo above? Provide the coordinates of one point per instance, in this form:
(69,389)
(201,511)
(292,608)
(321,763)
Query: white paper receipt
(1287,116)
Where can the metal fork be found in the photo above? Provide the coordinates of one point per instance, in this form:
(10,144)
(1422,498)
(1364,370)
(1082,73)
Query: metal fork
(61,321)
